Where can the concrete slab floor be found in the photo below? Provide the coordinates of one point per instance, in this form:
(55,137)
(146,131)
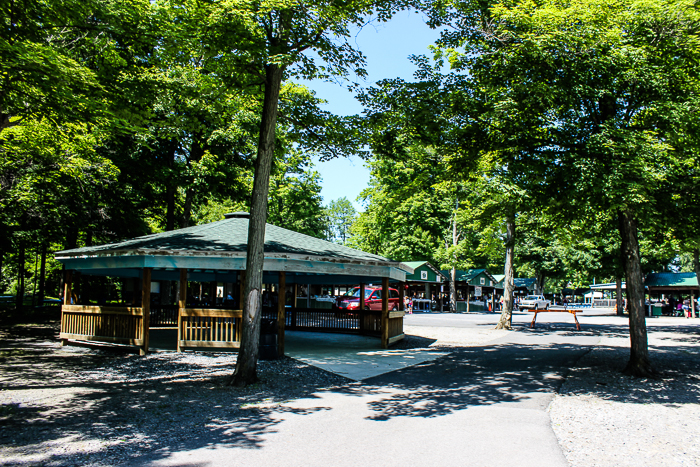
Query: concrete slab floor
(352,356)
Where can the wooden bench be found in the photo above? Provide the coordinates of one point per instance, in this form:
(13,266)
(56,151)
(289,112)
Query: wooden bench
(558,309)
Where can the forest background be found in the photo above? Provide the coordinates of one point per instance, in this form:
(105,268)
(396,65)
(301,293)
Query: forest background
(119,119)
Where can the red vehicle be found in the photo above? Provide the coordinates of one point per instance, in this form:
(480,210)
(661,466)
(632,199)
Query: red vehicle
(373,299)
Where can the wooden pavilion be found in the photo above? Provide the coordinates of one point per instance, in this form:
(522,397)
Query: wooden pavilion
(216,253)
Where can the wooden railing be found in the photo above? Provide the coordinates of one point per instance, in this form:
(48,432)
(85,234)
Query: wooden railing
(359,322)
(121,325)
(209,328)
(396,326)
(163,316)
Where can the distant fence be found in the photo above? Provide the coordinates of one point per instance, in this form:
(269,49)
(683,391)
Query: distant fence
(599,303)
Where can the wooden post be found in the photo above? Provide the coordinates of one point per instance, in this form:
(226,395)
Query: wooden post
(361,307)
(67,292)
(692,304)
(280,312)
(385,313)
(468,297)
(182,304)
(212,294)
(402,285)
(296,292)
(146,308)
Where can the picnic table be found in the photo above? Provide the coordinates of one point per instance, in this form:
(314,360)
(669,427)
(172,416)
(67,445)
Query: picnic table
(558,309)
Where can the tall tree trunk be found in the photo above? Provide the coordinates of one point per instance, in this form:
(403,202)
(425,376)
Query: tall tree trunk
(247,361)
(639,364)
(171,189)
(541,276)
(696,266)
(19,299)
(42,274)
(2,276)
(506,320)
(187,208)
(619,301)
(453,290)
(453,272)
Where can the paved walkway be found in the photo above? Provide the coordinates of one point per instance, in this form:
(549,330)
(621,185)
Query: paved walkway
(482,406)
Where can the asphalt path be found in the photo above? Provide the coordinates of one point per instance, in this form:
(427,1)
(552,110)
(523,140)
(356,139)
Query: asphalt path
(482,318)
(476,406)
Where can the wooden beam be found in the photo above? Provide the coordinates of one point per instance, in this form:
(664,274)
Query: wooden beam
(396,338)
(280,313)
(182,304)
(146,307)
(103,310)
(402,286)
(211,312)
(67,290)
(385,313)
(67,287)
(361,307)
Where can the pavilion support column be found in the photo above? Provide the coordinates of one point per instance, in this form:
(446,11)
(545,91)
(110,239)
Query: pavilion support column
(67,293)
(402,286)
(280,312)
(361,307)
(468,297)
(145,308)
(385,313)
(181,304)
(212,293)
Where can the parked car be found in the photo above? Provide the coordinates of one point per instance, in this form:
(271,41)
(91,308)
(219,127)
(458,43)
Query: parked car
(373,299)
(534,302)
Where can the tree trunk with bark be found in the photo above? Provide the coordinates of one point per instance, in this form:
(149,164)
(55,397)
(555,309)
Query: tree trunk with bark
(696,267)
(639,364)
(506,319)
(246,363)
(541,276)
(42,275)
(170,190)
(619,301)
(19,299)
(453,291)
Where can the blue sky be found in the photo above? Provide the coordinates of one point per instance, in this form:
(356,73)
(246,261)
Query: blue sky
(387,47)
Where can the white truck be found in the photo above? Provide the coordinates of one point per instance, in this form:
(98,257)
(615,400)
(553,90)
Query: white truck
(534,302)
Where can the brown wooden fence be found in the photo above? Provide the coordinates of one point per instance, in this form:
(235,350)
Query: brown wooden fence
(395,326)
(209,328)
(121,325)
(360,322)
(164,316)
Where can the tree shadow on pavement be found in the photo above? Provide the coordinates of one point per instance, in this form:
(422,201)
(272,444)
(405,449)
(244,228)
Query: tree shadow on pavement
(475,376)
(91,407)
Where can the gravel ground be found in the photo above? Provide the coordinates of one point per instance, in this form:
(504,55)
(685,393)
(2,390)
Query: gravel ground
(603,418)
(77,406)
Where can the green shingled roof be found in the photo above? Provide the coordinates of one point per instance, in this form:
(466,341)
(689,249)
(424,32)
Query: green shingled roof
(671,279)
(226,238)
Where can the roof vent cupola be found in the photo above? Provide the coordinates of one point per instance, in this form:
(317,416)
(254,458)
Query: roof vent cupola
(237,215)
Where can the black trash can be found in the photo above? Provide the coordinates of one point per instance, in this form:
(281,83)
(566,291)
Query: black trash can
(267,349)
